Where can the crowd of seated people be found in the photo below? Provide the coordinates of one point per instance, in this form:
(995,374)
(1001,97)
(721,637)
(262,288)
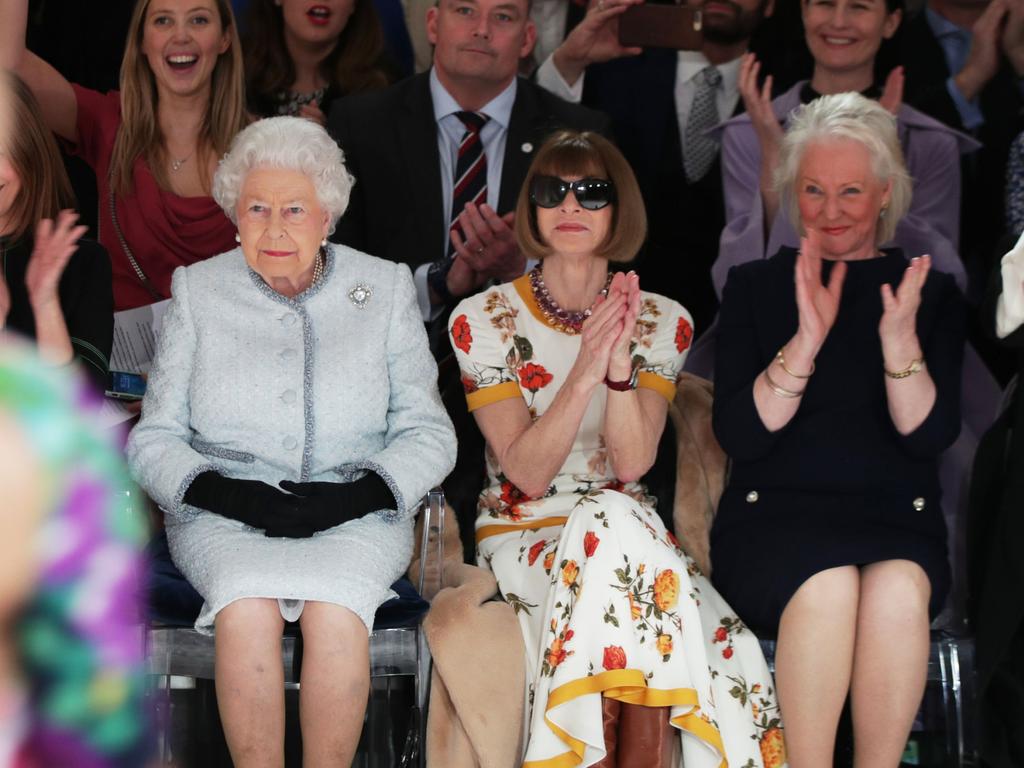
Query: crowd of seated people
(559,219)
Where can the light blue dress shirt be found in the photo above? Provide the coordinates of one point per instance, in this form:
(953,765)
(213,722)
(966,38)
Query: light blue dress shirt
(449,135)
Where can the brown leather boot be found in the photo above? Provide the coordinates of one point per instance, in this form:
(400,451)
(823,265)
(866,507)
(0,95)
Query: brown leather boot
(610,709)
(647,738)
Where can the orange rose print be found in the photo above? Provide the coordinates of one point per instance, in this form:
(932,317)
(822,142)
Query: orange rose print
(590,542)
(534,377)
(684,334)
(773,748)
(557,653)
(664,644)
(462,337)
(614,657)
(569,573)
(634,607)
(549,560)
(535,551)
(666,590)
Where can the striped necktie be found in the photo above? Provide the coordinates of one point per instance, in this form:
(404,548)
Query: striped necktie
(469,185)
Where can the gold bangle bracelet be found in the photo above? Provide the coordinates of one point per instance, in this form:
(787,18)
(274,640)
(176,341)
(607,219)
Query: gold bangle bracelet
(782,362)
(910,370)
(780,391)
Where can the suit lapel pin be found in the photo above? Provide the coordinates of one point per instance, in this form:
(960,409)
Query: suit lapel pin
(527,147)
(360,295)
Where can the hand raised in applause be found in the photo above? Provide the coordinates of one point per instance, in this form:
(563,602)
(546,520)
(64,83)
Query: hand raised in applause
(892,93)
(757,101)
(1013,36)
(600,332)
(816,303)
(620,362)
(54,244)
(898,327)
(986,51)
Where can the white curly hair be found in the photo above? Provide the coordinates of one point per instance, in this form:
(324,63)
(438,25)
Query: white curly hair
(292,143)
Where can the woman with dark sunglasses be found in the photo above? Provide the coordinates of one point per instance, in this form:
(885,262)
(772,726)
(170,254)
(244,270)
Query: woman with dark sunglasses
(569,372)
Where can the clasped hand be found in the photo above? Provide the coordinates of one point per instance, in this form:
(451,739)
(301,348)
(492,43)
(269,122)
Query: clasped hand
(607,333)
(295,510)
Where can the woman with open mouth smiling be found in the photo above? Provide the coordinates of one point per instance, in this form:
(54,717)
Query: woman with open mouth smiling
(302,54)
(154,144)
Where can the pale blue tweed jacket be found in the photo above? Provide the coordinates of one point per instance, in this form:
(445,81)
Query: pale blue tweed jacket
(259,386)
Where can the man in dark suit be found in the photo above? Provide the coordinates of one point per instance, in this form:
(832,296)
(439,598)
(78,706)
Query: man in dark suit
(964,60)
(651,98)
(403,144)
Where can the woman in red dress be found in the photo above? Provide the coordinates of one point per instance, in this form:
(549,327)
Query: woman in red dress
(154,145)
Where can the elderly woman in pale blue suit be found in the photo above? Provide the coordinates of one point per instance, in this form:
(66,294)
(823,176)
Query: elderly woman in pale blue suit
(291,424)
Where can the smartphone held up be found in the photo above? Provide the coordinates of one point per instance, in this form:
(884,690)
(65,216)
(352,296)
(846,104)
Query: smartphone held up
(661,25)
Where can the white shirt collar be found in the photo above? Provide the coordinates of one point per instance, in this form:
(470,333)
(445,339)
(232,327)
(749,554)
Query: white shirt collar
(692,62)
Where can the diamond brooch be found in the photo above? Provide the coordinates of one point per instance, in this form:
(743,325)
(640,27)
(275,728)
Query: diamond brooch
(360,295)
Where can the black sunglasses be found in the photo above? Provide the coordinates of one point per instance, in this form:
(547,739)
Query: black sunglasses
(592,194)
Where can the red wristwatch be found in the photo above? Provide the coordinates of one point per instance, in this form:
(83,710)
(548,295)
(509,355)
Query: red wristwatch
(622,386)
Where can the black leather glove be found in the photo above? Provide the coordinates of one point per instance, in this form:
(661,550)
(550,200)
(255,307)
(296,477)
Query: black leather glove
(325,505)
(251,502)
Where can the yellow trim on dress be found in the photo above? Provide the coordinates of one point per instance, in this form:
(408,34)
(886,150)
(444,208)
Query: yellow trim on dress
(486,531)
(659,384)
(493,394)
(630,687)
(525,291)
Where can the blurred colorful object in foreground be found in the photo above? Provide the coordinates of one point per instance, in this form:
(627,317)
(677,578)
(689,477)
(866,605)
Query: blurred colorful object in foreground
(71,693)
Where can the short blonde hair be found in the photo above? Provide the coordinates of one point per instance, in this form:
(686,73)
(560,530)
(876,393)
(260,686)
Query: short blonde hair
(292,143)
(584,153)
(851,117)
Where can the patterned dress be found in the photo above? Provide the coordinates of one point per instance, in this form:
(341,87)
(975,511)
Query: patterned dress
(78,640)
(608,603)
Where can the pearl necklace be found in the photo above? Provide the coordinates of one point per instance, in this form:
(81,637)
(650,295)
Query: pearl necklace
(564,320)
(318,268)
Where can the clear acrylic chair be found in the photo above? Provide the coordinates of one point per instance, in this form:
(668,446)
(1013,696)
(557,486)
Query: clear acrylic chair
(177,657)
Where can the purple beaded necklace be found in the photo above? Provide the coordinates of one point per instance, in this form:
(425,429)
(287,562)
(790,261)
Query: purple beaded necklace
(564,320)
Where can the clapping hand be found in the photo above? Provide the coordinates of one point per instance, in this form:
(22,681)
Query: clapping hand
(816,303)
(620,363)
(898,326)
(757,101)
(600,333)
(54,244)
(892,94)
(485,244)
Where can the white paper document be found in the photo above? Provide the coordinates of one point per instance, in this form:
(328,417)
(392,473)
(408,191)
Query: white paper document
(135,334)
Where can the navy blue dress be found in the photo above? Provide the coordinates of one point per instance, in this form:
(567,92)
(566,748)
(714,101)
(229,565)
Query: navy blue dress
(838,485)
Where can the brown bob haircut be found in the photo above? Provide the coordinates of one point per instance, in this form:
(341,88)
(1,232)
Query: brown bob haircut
(33,152)
(585,154)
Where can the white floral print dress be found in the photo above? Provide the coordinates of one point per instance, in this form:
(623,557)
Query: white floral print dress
(609,605)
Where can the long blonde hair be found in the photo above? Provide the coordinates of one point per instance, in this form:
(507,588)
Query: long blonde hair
(139,134)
